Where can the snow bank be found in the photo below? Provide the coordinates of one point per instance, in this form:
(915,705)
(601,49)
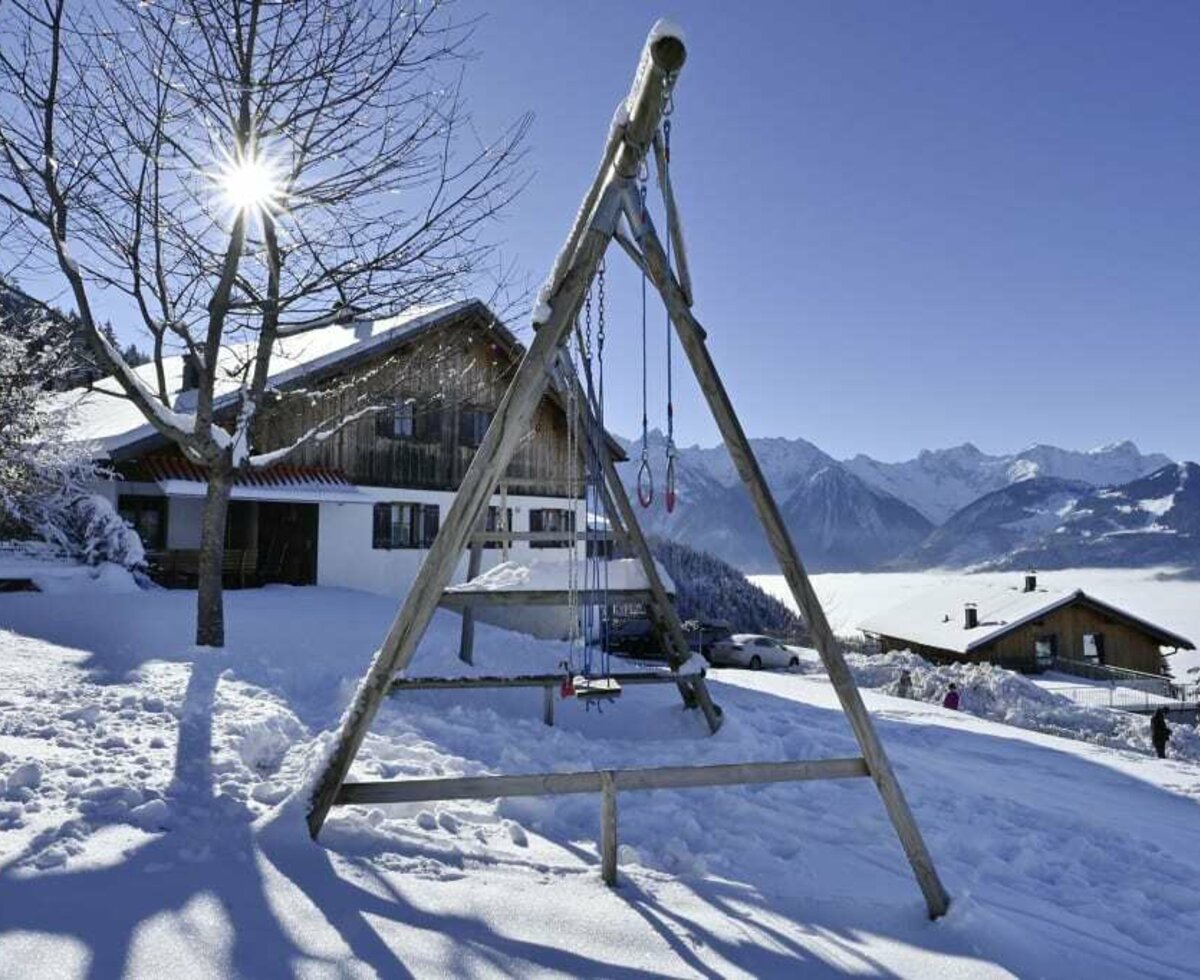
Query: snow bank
(1013,699)
(51,573)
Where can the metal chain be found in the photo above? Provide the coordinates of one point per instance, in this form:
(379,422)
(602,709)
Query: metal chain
(645,477)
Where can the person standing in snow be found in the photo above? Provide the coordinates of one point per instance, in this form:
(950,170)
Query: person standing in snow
(951,699)
(1160,732)
(904,685)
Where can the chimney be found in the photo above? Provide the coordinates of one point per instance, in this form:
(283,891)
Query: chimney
(970,616)
(191,370)
(1031,581)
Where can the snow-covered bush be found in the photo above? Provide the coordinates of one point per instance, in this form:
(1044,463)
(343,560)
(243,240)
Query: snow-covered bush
(45,482)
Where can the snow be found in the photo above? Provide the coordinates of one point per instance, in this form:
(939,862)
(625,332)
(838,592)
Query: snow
(51,573)
(551,575)
(1158,505)
(939,482)
(165,833)
(111,423)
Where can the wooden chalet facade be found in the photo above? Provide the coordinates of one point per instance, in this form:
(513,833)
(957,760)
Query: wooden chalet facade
(359,507)
(1025,628)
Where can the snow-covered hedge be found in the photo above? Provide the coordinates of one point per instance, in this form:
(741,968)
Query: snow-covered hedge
(1009,697)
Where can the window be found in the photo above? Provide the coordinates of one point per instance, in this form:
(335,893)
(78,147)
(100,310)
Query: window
(472,425)
(552,519)
(407,420)
(1093,647)
(404,526)
(147,516)
(493,524)
(1045,649)
(397,422)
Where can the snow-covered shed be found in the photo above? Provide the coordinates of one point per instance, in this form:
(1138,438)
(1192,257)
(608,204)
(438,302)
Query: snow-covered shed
(1024,626)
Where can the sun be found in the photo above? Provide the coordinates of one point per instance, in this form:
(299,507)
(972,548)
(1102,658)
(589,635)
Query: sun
(251,184)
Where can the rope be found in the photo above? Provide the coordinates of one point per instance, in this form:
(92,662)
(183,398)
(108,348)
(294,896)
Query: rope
(645,478)
(670,480)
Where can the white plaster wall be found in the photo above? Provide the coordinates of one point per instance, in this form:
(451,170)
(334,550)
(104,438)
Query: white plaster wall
(345,557)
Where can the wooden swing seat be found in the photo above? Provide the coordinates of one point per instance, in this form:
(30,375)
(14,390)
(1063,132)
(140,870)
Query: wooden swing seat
(588,688)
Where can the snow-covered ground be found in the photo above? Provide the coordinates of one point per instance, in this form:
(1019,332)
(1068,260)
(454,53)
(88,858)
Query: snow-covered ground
(151,819)
(1160,595)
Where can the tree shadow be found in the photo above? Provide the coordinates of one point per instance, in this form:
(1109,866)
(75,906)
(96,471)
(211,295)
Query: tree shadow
(766,929)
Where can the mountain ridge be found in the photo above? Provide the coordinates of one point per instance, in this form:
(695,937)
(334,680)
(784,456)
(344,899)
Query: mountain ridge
(862,514)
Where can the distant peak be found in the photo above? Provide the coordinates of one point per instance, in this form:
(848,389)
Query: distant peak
(1122,446)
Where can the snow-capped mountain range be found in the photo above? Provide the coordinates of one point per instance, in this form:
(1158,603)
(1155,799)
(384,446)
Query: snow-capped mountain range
(951,507)
(940,482)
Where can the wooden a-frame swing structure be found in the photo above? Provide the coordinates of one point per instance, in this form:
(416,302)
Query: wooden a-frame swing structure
(611,199)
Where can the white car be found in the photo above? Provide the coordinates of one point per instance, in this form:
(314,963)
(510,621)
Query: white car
(753,651)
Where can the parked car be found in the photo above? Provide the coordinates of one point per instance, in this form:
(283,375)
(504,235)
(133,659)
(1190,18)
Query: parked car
(703,634)
(753,651)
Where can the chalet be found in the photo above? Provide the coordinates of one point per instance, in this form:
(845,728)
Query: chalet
(357,509)
(1023,627)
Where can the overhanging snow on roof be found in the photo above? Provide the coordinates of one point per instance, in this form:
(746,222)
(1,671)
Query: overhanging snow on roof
(105,420)
(935,618)
(283,484)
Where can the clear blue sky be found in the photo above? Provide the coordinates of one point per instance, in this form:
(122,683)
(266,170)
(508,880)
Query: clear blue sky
(910,224)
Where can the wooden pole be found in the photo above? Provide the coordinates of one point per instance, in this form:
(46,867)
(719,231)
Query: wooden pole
(617,503)
(466,646)
(608,829)
(662,58)
(674,226)
(691,338)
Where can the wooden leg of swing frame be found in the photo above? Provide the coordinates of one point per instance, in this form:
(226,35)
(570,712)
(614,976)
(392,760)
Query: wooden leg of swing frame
(608,828)
(623,521)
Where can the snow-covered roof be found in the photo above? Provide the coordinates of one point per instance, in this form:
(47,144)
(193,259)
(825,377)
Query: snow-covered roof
(109,421)
(552,574)
(936,618)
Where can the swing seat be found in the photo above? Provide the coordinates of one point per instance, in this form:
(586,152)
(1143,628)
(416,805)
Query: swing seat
(587,688)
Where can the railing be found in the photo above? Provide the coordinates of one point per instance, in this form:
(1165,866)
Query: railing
(1135,679)
(1130,699)
(605,782)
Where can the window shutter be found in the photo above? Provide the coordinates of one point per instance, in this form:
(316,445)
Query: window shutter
(380,536)
(383,430)
(431,523)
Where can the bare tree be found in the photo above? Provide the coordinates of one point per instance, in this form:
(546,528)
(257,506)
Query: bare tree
(237,172)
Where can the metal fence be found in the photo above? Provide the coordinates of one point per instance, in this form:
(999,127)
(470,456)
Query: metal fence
(1120,695)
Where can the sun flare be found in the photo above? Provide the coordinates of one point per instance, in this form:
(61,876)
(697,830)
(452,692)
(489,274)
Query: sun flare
(251,184)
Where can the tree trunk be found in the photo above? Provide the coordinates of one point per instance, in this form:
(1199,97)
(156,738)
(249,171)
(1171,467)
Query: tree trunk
(210,606)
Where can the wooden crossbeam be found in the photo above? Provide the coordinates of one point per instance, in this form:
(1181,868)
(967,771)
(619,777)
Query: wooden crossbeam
(593,229)
(455,599)
(497,537)
(692,339)
(625,677)
(565,783)
(591,232)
